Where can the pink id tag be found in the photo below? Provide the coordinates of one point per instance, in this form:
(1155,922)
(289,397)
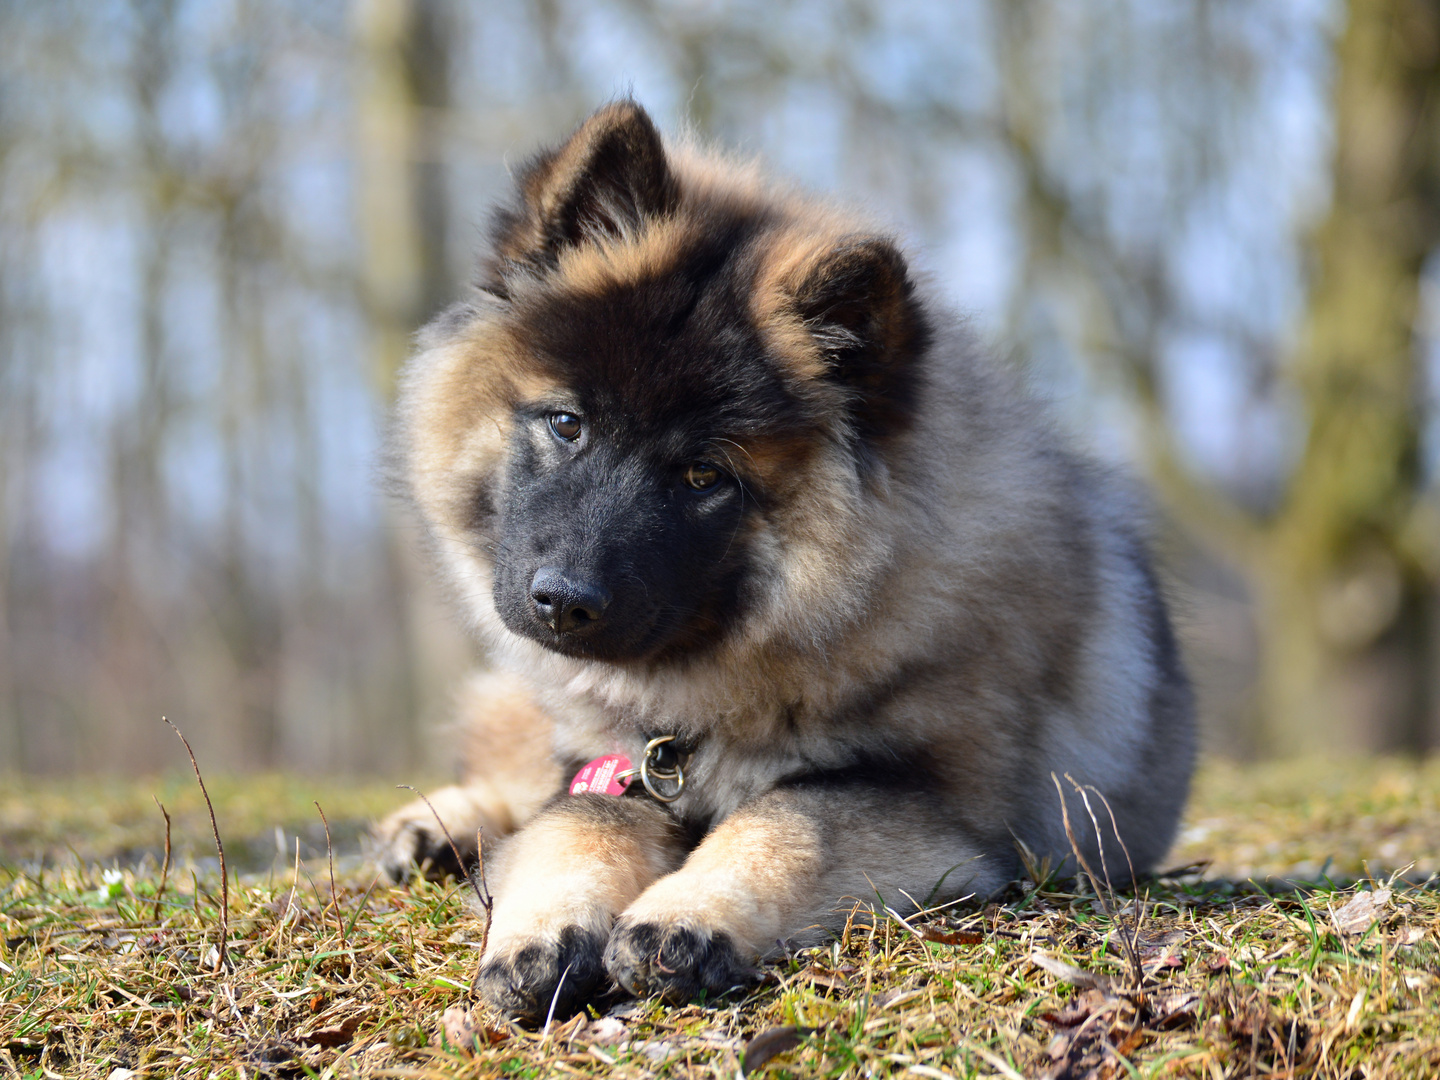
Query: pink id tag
(603,776)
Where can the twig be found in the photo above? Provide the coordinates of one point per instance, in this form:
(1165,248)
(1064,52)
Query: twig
(484,898)
(482,891)
(1075,846)
(448,838)
(1106,896)
(334,896)
(1134,956)
(1114,826)
(165,869)
(223,952)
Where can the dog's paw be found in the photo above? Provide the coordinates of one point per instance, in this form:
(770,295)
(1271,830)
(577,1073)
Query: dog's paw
(674,960)
(412,839)
(534,978)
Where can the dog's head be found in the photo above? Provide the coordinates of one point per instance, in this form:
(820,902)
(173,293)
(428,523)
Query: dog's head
(668,373)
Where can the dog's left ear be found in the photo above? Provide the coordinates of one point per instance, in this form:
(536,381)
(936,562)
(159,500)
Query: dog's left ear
(859,303)
(607,179)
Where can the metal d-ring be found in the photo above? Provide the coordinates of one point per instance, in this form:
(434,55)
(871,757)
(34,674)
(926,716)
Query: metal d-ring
(647,770)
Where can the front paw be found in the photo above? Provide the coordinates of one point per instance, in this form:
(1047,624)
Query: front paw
(534,978)
(412,837)
(411,845)
(674,960)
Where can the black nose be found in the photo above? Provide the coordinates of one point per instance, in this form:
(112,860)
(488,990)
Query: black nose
(566,604)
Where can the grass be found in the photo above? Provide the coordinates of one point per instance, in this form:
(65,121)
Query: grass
(1230,976)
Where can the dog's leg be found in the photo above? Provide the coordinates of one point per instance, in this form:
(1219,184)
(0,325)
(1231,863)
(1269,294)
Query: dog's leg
(509,773)
(558,885)
(790,866)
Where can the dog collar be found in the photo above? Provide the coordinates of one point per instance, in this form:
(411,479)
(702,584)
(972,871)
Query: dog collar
(661,771)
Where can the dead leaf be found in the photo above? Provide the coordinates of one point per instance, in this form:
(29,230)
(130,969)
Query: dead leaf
(335,1035)
(463,1027)
(1360,913)
(574,1028)
(769,1043)
(892,998)
(607,1031)
(835,980)
(1076,1054)
(456,1025)
(1171,1010)
(1132,1040)
(1069,972)
(1158,943)
(950,937)
(1081,1009)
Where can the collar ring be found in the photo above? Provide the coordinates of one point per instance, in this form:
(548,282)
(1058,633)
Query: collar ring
(650,770)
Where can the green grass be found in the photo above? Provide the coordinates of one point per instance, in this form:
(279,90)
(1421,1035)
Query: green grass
(1236,978)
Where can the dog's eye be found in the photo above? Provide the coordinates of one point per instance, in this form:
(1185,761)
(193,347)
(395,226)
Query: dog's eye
(565,426)
(701,475)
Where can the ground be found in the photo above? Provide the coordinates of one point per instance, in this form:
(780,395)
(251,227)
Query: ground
(1298,951)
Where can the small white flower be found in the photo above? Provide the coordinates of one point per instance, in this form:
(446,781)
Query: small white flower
(114,885)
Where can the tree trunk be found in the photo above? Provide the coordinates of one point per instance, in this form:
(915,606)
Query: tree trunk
(403,98)
(1346,616)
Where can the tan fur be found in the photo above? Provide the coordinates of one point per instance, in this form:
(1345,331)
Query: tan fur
(597,268)
(749,879)
(575,871)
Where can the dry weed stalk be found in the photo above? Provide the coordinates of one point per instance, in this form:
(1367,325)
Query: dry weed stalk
(482,891)
(330,855)
(1104,890)
(476,877)
(165,869)
(223,952)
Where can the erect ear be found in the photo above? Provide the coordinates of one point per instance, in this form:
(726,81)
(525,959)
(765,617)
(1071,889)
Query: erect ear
(609,177)
(859,303)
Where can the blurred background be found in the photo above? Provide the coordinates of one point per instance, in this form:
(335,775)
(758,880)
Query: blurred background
(1207,228)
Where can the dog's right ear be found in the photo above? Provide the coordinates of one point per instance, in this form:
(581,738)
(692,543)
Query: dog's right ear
(606,180)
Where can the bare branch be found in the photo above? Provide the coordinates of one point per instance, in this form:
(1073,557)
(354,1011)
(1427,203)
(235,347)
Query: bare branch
(223,951)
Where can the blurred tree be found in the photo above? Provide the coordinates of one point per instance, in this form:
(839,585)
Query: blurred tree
(1339,558)
(1348,589)
(404,217)
(403,95)
(220,222)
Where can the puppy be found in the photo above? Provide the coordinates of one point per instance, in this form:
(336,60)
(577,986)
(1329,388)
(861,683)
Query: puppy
(792,595)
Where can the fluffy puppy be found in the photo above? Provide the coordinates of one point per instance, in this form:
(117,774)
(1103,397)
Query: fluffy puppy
(723,493)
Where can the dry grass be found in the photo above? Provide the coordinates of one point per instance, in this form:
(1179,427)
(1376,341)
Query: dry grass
(96,974)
